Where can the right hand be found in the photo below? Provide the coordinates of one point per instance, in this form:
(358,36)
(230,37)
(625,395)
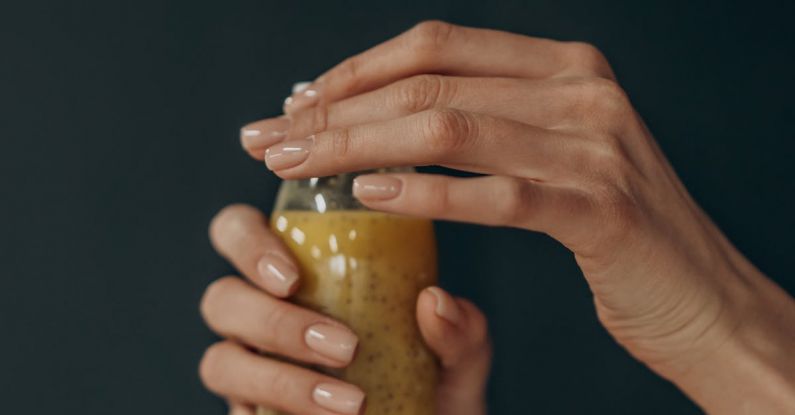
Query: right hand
(565,153)
(253,316)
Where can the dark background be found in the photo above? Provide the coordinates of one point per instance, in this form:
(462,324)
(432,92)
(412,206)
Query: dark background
(119,125)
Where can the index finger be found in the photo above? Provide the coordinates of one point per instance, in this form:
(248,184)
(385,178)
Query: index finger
(442,48)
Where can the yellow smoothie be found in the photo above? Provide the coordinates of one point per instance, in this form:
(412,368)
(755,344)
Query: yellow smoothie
(366,269)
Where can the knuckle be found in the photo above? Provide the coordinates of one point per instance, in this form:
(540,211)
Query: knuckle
(619,212)
(279,383)
(275,319)
(340,142)
(511,201)
(231,222)
(319,118)
(211,366)
(419,93)
(431,35)
(449,130)
(587,56)
(347,72)
(214,293)
(609,157)
(601,98)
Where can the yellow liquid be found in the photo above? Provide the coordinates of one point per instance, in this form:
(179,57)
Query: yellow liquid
(366,269)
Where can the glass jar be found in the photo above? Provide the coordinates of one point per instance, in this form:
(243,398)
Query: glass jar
(365,269)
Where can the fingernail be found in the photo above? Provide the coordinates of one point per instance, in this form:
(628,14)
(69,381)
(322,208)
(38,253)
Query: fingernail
(446,306)
(376,187)
(238,410)
(277,274)
(264,133)
(288,154)
(300,86)
(336,343)
(340,398)
(303,98)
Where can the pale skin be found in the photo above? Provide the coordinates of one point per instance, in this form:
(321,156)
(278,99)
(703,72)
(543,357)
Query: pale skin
(563,152)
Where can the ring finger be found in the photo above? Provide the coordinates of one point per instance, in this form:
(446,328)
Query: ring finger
(451,138)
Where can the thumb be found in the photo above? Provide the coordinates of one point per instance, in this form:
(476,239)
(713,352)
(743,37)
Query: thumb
(457,332)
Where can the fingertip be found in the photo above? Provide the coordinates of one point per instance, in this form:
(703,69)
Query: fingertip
(278,274)
(259,135)
(258,154)
(426,306)
(439,319)
(239,409)
(232,219)
(300,86)
(445,306)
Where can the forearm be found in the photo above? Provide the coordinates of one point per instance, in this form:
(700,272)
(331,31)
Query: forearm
(752,370)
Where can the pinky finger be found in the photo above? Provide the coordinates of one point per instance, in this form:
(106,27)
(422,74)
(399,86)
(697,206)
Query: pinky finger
(240,409)
(489,200)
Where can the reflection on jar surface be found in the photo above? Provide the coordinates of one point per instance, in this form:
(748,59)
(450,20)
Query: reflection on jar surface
(366,269)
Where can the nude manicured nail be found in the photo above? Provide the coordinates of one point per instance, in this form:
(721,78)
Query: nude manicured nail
(340,398)
(303,98)
(446,306)
(238,410)
(288,154)
(300,86)
(261,134)
(376,187)
(336,343)
(277,274)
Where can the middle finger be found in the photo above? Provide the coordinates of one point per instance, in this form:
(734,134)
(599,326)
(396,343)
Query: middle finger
(447,137)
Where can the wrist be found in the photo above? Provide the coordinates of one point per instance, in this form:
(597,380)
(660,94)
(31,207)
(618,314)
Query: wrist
(748,366)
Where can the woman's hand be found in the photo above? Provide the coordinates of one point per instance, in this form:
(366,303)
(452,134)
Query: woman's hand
(253,316)
(563,152)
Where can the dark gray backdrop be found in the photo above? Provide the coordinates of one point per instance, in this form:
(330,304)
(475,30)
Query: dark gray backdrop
(119,124)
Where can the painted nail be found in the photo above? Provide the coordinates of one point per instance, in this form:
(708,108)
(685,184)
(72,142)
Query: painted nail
(300,86)
(446,306)
(238,410)
(336,343)
(288,154)
(340,398)
(261,134)
(306,97)
(376,187)
(277,274)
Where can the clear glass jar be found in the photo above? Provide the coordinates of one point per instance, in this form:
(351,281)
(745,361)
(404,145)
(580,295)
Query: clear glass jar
(366,269)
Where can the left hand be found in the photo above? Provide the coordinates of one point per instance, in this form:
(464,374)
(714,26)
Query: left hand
(252,314)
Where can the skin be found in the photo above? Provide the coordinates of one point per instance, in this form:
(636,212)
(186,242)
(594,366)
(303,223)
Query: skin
(563,152)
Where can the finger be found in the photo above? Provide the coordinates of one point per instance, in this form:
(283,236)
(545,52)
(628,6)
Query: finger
(438,47)
(491,200)
(240,375)
(447,137)
(236,310)
(240,234)
(545,103)
(457,332)
(258,136)
(236,408)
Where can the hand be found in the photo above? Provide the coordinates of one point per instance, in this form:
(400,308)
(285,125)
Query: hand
(564,153)
(253,316)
